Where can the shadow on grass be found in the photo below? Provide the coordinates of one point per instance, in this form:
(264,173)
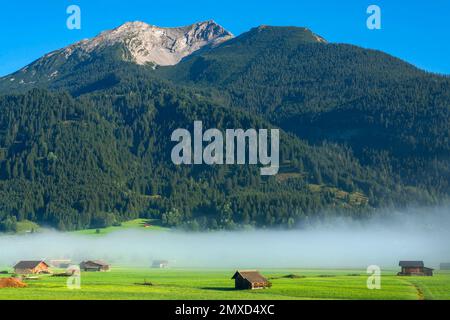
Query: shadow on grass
(219,289)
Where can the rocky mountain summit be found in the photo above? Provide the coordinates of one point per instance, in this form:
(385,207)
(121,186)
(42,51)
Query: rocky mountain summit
(135,42)
(151,44)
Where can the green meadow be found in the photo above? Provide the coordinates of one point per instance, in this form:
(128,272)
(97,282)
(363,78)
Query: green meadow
(27,226)
(141,224)
(123,283)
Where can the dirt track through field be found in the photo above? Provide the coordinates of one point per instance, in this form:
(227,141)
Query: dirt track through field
(420,293)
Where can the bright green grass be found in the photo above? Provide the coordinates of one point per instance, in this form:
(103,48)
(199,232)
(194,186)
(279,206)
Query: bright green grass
(132,224)
(436,287)
(27,226)
(123,283)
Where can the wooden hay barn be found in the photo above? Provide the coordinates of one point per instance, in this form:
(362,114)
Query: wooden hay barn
(250,279)
(160,264)
(31,267)
(414,268)
(94,265)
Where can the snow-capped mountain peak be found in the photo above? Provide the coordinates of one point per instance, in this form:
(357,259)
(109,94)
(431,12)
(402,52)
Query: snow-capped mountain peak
(151,44)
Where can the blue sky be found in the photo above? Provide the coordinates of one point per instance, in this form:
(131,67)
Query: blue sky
(416,31)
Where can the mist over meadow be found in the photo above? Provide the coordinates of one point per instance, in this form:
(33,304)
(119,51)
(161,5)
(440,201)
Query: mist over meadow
(415,234)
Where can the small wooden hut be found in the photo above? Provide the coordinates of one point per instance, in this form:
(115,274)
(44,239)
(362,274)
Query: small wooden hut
(414,268)
(249,279)
(94,265)
(31,267)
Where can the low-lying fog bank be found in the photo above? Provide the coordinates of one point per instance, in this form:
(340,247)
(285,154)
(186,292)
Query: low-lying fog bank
(421,234)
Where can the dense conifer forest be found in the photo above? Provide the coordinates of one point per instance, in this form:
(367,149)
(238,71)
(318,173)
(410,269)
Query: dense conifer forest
(360,130)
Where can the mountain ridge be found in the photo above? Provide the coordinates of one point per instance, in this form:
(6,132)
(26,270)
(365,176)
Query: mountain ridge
(151,44)
(360,129)
(136,42)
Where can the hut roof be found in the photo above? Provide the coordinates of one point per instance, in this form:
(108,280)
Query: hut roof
(96,262)
(29,264)
(411,264)
(250,275)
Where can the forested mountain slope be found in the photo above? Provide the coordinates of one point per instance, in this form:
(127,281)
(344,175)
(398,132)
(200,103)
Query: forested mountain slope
(387,111)
(105,157)
(360,130)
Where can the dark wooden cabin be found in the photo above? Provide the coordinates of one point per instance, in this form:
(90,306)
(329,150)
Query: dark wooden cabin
(31,267)
(414,268)
(250,279)
(94,265)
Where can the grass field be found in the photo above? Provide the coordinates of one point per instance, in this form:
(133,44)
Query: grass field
(127,283)
(141,224)
(123,283)
(27,226)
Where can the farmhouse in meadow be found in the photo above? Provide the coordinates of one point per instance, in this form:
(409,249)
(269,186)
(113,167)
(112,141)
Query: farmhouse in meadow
(414,268)
(31,267)
(94,265)
(249,279)
(160,264)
